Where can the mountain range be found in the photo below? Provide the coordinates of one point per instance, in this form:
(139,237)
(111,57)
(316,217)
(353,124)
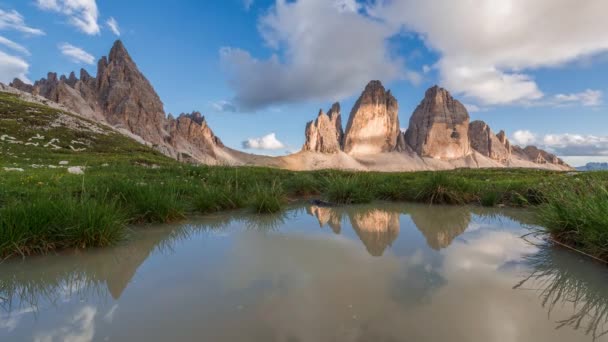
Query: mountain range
(440,134)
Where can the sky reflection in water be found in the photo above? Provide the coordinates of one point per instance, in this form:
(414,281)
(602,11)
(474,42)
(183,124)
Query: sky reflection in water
(384,272)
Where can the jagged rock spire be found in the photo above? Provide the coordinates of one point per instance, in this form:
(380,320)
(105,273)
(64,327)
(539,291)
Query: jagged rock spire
(325,133)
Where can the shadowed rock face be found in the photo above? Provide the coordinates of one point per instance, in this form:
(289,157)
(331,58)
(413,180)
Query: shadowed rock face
(127,98)
(439,127)
(325,134)
(194,130)
(486,143)
(373,125)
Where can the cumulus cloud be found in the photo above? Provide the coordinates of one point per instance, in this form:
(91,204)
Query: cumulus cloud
(523,137)
(76,54)
(81,14)
(325,50)
(566,144)
(113,26)
(267,142)
(588,98)
(488,47)
(224,106)
(13,67)
(14,46)
(14,20)
(576,144)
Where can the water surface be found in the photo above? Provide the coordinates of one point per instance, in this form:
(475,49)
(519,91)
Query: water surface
(382,272)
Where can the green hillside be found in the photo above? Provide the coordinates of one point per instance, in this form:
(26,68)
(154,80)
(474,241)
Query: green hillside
(37,136)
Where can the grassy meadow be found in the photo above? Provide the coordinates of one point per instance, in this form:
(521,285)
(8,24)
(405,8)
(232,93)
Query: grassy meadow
(44,207)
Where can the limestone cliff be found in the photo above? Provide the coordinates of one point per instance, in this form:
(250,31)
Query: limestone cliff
(439,127)
(325,134)
(485,142)
(373,125)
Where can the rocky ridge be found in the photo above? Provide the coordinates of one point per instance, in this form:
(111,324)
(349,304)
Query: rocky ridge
(121,96)
(440,134)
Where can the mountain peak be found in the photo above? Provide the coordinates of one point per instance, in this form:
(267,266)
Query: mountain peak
(118,51)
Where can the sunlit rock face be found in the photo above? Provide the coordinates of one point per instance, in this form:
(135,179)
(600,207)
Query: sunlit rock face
(373,125)
(439,127)
(325,134)
(486,143)
(327,216)
(377,229)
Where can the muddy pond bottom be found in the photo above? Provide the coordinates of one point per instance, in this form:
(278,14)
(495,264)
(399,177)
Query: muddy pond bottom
(381,272)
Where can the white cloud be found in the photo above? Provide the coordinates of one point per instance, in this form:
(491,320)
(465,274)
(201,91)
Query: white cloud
(224,106)
(488,48)
(113,25)
(13,67)
(588,98)
(471,108)
(76,54)
(566,144)
(80,328)
(14,46)
(326,50)
(82,14)
(523,137)
(576,144)
(14,20)
(267,142)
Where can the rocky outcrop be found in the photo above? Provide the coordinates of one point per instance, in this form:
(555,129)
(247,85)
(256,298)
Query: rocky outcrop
(486,143)
(190,134)
(439,127)
(536,155)
(373,125)
(325,134)
(121,96)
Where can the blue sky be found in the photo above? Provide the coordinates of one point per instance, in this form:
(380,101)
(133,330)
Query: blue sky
(259,67)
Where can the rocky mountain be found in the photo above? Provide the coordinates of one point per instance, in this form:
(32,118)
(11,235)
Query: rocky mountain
(325,134)
(440,135)
(593,167)
(439,127)
(373,125)
(485,142)
(121,96)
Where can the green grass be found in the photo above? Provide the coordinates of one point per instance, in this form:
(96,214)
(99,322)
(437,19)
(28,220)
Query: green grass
(349,189)
(45,208)
(578,216)
(46,224)
(268,200)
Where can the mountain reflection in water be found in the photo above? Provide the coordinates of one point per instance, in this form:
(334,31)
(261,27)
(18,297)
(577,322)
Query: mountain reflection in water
(383,272)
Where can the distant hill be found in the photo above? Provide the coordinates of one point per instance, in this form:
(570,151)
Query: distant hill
(593,167)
